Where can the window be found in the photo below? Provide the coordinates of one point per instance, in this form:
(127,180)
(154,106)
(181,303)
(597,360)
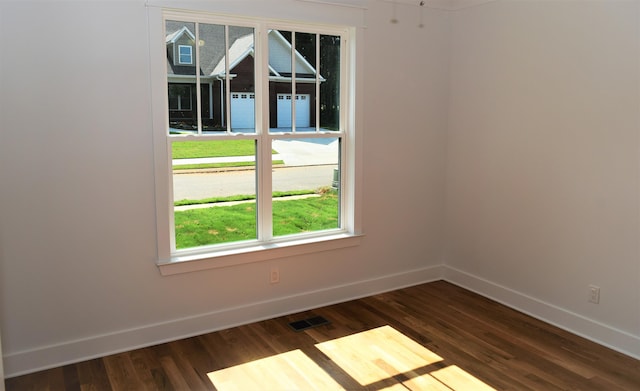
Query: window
(179,97)
(184,54)
(250,173)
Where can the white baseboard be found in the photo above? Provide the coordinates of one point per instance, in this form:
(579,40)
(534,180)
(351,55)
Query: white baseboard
(590,329)
(44,357)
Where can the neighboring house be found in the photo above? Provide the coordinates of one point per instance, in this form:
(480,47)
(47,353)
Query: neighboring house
(181,70)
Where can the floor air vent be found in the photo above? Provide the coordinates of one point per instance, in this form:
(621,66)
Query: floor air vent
(304,324)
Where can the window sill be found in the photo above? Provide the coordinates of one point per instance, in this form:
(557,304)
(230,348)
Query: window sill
(260,252)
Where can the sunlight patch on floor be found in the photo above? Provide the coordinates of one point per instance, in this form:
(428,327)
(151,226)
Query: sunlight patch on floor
(292,370)
(377,354)
(373,358)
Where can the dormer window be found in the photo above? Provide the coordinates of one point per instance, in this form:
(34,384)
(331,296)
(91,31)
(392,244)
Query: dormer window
(185,55)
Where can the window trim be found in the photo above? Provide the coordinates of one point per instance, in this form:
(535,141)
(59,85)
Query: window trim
(256,253)
(239,253)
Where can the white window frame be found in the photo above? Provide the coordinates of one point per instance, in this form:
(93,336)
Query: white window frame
(180,47)
(171,261)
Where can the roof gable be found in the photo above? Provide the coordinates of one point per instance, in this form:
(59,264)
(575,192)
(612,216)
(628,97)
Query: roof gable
(176,35)
(279,56)
(240,49)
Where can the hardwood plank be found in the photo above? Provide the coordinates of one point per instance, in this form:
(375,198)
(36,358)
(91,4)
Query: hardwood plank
(92,375)
(434,336)
(149,369)
(71,381)
(48,380)
(192,361)
(121,372)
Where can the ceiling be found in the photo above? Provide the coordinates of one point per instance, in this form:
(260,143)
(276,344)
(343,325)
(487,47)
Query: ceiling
(451,5)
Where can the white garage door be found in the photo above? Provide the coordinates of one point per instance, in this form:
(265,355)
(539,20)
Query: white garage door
(303,110)
(243,110)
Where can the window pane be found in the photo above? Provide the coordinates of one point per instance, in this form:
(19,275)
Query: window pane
(184,54)
(214,188)
(212,72)
(306,185)
(280,98)
(180,97)
(181,81)
(241,63)
(305,81)
(330,87)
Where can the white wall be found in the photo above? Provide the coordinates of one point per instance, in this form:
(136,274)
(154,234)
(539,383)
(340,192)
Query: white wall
(542,165)
(77,254)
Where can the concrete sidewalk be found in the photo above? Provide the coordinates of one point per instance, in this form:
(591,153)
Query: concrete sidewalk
(226,159)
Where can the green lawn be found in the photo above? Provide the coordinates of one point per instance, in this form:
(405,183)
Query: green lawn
(224,224)
(214,148)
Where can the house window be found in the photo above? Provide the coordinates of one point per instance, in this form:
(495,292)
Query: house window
(179,97)
(272,177)
(184,54)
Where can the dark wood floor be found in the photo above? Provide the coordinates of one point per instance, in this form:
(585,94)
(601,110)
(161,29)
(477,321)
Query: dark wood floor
(433,336)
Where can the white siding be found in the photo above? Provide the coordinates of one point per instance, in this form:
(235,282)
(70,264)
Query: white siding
(279,55)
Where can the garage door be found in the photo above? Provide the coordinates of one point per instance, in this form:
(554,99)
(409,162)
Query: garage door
(243,110)
(303,110)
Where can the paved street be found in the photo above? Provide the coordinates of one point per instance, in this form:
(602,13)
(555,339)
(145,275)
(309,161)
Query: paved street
(198,186)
